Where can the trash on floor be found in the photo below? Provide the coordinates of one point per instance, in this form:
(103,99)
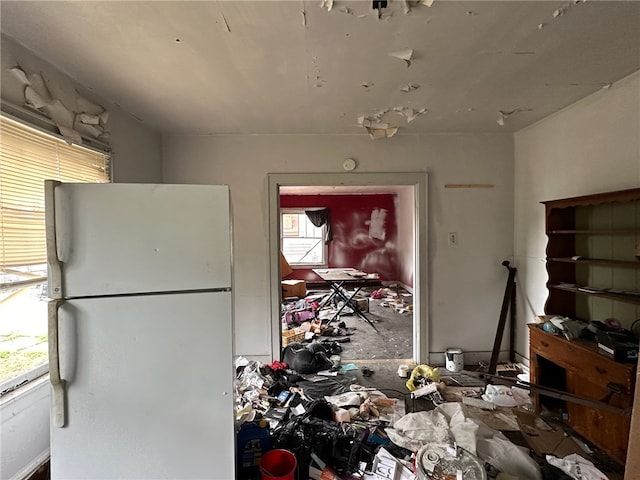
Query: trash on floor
(335,428)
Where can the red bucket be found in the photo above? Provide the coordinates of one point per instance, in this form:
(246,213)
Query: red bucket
(278,465)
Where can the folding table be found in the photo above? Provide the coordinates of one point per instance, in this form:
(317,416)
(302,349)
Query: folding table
(338,279)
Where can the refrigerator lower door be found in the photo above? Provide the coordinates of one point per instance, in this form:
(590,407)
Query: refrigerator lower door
(148,388)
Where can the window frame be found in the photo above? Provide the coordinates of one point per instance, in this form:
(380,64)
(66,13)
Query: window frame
(325,249)
(23,378)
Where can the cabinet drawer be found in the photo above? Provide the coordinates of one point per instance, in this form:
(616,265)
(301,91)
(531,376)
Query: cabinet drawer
(582,360)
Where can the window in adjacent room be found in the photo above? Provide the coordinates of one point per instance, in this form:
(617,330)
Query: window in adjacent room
(27,158)
(302,242)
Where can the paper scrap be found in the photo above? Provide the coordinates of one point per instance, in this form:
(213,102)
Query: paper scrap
(406,55)
(20,75)
(558,12)
(468,185)
(377,223)
(410,87)
(540,26)
(304,18)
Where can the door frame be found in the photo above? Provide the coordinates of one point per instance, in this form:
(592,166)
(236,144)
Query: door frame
(418,180)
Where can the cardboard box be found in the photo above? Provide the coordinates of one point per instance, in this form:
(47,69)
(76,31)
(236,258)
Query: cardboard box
(544,439)
(285,268)
(362,303)
(294,288)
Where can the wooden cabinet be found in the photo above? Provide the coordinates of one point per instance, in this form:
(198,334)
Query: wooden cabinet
(577,368)
(593,266)
(593,256)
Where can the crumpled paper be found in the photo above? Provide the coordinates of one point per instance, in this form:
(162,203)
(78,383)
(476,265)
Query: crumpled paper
(448,423)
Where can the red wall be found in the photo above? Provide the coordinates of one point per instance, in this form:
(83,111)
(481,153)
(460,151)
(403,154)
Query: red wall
(352,244)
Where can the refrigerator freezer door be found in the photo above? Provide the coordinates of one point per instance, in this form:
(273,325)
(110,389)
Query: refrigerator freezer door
(149,383)
(134,238)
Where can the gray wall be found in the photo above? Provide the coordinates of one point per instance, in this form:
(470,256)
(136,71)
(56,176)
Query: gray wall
(24,414)
(466,282)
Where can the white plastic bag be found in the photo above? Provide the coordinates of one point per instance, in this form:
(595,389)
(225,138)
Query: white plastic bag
(577,467)
(504,396)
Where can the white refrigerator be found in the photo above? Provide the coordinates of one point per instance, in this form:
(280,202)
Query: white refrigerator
(140,331)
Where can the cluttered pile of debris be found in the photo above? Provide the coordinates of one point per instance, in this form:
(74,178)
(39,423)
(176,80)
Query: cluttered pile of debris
(319,314)
(300,424)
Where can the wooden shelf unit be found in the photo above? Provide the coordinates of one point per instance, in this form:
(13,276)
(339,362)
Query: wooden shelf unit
(593,266)
(593,241)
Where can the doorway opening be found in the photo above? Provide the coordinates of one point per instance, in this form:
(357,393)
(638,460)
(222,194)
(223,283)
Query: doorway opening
(409,191)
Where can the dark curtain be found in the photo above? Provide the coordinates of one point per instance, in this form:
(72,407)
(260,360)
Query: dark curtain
(321,217)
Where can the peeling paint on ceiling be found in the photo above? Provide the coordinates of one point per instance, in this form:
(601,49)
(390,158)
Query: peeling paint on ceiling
(301,67)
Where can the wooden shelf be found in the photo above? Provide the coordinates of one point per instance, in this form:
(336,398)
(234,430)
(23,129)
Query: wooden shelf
(633,299)
(598,261)
(624,231)
(568,223)
(577,249)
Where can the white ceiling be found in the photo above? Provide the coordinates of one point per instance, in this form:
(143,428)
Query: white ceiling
(293,66)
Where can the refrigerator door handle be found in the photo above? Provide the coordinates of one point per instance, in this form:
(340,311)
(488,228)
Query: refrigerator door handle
(57,383)
(53,262)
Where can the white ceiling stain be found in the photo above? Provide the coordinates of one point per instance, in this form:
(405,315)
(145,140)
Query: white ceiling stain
(253,71)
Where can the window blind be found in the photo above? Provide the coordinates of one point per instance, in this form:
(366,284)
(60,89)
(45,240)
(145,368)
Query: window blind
(27,158)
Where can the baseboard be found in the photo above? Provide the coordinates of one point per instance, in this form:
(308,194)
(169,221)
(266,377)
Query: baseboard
(470,358)
(522,359)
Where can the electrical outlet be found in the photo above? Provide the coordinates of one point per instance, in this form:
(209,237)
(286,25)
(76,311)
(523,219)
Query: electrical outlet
(453,238)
